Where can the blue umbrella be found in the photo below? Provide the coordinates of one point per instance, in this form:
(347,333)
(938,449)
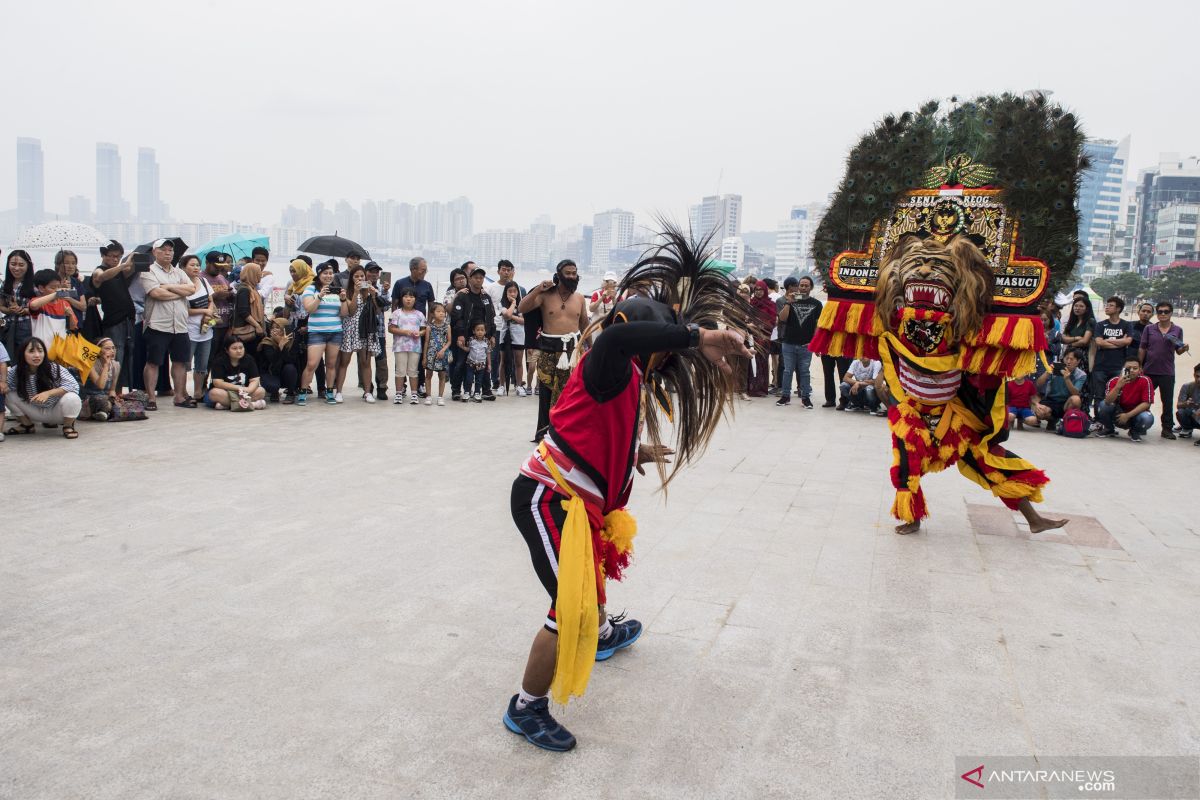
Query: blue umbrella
(238,245)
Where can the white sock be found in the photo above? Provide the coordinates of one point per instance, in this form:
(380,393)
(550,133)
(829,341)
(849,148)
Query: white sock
(524,698)
(606,629)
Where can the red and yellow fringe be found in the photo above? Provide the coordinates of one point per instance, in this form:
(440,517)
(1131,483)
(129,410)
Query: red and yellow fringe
(847,328)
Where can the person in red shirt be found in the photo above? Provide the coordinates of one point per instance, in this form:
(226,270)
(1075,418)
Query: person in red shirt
(1127,402)
(1022,397)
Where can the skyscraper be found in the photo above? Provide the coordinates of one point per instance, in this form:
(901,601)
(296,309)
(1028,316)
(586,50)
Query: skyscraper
(717,216)
(1100,196)
(79,209)
(31,206)
(459,217)
(149,203)
(793,240)
(611,230)
(110,207)
(1175,180)
(370,224)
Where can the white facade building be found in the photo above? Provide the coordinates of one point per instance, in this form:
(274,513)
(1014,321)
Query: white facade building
(611,230)
(718,216)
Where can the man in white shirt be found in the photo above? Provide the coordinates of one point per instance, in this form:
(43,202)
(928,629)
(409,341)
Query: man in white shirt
(165,320)
(858,386)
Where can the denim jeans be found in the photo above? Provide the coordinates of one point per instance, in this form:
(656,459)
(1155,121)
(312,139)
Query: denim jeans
(797,358)
(866,398)
(1107,415)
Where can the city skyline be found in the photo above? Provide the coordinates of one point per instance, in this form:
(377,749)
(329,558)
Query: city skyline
(480,101)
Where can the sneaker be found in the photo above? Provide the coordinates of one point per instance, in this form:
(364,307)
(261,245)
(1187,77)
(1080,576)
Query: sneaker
(368,397)
(398,400)
(783,400)
(381,393)
(1103,433)
(421,393)
(827,404)
(772,390)
(841,406)
(1168,435)
(329,397)
(522,391)
(1134,436)
(337,398)
(1196,443)
(429,401)
(100,416)
(441,402)
(804,401)
(1185,434)
(624,633)
(537,726)
(302,398)
(477,397)
(879,412)
(1098,427)
(412,399)
(500,391)
(488,396)
(287,398)
(455,396)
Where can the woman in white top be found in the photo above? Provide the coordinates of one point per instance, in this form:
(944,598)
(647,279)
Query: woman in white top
(202,311)
(510,335)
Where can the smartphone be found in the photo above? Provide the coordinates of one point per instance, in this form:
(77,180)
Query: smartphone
(1057,367)
(141,262)
(385,277)
(67,293)
(1127,372)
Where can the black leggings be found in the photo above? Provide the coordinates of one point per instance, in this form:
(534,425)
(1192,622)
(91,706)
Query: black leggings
(539,515)
(832,381)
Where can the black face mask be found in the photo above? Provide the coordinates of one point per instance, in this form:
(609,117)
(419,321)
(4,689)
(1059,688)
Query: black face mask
(570,284)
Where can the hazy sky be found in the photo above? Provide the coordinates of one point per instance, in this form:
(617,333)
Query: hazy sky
(560,107)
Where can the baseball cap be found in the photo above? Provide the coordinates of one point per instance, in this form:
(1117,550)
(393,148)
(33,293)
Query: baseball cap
(371,266)
(163,243)
(610,276)
(478,271)
(113,246)
(214,257)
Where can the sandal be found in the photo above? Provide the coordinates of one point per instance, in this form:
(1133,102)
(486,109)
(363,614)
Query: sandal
(69,432)
(20,428)
(150,405)
(188,403)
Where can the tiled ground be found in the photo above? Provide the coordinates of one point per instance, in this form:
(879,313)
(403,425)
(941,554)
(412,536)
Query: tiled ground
(334,603)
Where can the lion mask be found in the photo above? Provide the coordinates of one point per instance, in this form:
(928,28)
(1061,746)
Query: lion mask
(952,277)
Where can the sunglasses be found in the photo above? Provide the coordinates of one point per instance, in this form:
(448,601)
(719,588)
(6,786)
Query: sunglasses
(1163,311)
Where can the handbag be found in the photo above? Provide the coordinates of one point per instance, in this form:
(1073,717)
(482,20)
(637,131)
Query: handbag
(124,410)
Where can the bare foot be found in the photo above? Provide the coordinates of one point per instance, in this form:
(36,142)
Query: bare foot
(908,527)
(1043,524)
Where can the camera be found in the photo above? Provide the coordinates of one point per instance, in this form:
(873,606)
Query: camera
(67,293)
(141,262)
(1057,367)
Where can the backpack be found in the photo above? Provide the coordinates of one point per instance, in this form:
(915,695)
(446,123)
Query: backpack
(1074,424)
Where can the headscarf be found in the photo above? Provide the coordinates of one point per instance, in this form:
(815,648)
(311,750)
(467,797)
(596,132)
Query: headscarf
(764,305)
(307,276)
(251,275)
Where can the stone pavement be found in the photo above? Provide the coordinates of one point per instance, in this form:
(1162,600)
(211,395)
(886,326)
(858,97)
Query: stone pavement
(333,603)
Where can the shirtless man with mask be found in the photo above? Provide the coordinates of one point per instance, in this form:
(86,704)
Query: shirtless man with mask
(564,317)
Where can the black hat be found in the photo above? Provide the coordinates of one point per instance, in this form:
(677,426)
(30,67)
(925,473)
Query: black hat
(331,263)
(305,259)
(113,246)
(478,271)
(216,257)
(371,266)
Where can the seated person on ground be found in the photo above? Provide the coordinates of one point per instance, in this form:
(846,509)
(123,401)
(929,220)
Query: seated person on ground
(234,379)
(1188,411)
(1061,388)
(858,385)
(1127,402)
(1021,400)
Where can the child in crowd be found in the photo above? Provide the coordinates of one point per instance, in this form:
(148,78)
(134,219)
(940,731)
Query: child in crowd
(479,363)
(406,327)
(100,388)
(1022,397)
(437,345)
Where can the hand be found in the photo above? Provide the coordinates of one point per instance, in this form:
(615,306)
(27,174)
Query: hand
(3,387)
(42,397)
(342,295)
(716,346)
(1066,373)
(652,454)
(854,388)
(545,286)
(462,342)
(1123,419)
(95,301)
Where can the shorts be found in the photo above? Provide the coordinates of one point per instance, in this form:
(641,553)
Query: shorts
(320,339)
(539,515)
(160,343)
(1022,412)
(408,365)
(200,355)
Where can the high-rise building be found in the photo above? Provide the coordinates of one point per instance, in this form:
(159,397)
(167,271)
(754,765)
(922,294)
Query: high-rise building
(1174,180)
(793,240)
(369,237)
(318,216)
(149,203)
(733,250)
(430,229)
(1100,196)
(110,206)
(293,217)
(717,216)
(611,230)
(459,221)
(346,220)
(1175,228)
(31,182)
(79,209)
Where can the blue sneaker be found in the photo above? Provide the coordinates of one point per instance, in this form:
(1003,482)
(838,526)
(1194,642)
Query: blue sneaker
(329,398)
(624,633)
(302,399)
(535,724)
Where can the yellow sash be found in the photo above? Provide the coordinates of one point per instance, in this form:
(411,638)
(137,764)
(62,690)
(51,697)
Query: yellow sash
(576,606)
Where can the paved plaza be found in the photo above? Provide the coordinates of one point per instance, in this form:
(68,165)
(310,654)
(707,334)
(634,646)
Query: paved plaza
(333,603)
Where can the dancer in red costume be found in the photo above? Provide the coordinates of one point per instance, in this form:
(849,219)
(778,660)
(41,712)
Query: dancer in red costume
(667,351)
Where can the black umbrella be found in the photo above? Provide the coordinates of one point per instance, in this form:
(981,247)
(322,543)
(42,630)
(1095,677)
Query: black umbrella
(179,244)
(336,246)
